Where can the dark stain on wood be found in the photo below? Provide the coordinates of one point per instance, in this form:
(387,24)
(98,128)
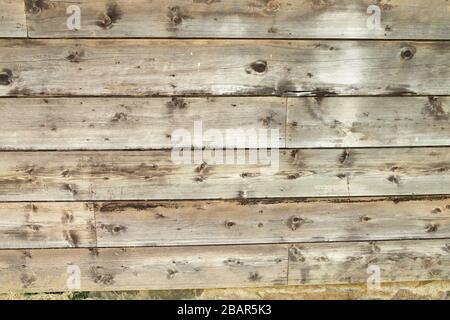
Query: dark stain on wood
(71,237)
(111,16)
(321,4)
(32,207)
(119,116)
(140,206)
(67,217)
(257,67)
(16,92)
(113,228)
(295,254)
(6,77)
(345,157)
(408,52)
(27,280)
(394,179)
(176,104)
(295,222)
(434,108)
(432,227)
(230,224)
(36,6)
(100,276)
(75,56)
(384,5)
(233,262)
(268,120)
(176,15)
(254,276)
(171,273)
(72,188)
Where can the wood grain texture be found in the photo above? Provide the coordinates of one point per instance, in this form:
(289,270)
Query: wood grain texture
(269,221)
(144,268)
(349,262)
(152,175)
(223,266)
(400,19)
(222,67)
(47,225)
(368,122)
(124,123)
(12,19)
(131,123)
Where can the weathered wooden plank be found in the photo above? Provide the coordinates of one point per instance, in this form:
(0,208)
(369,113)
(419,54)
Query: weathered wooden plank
(12,19)
(123,123)
(368,122)
(270,221)
(143,268)
(355,262)
(223,266)
(46,225)
(108,123)
(217,67)
(414,19)
(148,175)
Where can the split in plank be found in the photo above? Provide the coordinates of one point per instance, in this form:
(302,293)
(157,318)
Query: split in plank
(222,67)
(159,175)
(415,19)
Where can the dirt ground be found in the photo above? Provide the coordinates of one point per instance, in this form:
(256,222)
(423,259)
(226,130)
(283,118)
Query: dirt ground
(436,290)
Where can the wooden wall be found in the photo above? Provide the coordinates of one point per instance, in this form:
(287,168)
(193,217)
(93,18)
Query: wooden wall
(86,124)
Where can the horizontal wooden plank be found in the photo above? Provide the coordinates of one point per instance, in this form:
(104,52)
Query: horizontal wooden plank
(155,175)
(222,266)
(139,123)
(222,67)
(356,262)
(143,268)
(414,19)
(176,223)
(368,122)
(269,221)
(108,123)
(47,225)
(12,19)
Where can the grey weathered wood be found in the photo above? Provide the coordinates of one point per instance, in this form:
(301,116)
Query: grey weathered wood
(368,122)
(47,225)
(147,175)
(270,221)
(223,266)
(109,123)
(222,67)
(414,19)
(12,19)
(124,123)
(352,262)
(144,268)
